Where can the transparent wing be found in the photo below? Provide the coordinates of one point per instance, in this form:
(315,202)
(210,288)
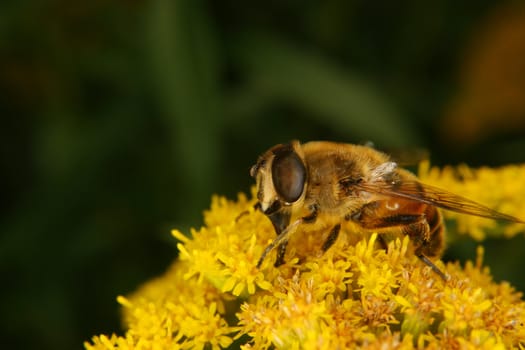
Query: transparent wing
(435,196)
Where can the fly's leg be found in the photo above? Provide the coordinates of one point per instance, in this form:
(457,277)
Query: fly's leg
(419,232)
(281,250)
(413,225)
(281,241)
(332,237)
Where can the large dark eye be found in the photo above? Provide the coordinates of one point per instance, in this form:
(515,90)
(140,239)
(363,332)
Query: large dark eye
(288,175)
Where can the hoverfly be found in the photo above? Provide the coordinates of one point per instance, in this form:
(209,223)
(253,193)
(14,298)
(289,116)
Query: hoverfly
(297,183)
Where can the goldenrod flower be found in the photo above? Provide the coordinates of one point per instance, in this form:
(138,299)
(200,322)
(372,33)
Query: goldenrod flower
(356,295)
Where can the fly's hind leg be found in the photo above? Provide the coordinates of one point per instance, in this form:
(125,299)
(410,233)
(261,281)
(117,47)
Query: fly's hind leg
(419,232)
(434,268)
(414,225)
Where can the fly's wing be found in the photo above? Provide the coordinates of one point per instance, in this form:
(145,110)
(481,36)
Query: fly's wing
(417,191)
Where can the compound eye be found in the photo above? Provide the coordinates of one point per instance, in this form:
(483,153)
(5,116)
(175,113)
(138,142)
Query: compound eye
(288,175)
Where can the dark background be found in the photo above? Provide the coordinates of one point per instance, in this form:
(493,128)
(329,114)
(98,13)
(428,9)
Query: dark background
(120,119)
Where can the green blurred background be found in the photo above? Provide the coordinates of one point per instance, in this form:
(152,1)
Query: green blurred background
(120,119)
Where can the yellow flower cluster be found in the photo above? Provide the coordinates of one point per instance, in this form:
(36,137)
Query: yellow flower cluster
(355,295)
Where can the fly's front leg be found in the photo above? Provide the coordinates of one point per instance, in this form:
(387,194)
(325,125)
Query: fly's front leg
(281,250)
(310,218)
(280,221)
